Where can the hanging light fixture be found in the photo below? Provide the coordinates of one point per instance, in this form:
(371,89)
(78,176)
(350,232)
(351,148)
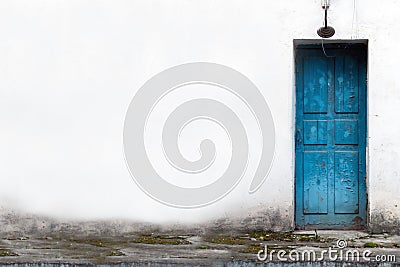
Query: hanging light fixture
(326,31)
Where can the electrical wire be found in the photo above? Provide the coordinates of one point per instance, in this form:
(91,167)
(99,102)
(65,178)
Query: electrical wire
(323,48)
(354,35)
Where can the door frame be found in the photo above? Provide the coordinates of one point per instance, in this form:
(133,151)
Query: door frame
(321,42)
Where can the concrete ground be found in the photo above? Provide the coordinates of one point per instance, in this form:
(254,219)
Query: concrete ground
(169,249)
(27,240)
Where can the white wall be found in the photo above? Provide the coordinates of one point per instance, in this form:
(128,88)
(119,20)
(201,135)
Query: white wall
(69,70)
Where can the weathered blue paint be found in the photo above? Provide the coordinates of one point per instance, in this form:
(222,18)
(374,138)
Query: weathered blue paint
(331,137)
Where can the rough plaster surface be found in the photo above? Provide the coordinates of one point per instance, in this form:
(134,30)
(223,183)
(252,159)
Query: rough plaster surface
(70,68)
(384,221)
(12,223)
(38,241)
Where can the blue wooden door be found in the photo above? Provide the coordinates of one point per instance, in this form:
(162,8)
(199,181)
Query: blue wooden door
(331,137)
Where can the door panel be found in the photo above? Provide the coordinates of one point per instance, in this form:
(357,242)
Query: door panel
(331,137)
(315,85)
(346,132)
(346,91)
(346,182)
(315,182)
(315,132)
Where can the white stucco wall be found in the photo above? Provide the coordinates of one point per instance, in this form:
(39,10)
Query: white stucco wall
(69,70)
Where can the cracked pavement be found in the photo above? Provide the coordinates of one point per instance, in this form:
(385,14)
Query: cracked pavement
(163,249)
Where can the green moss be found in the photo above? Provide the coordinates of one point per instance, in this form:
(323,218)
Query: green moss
(115,252)
(91,241)
(4,252)
(258,234)
(97,242)
(203,247)
(284,236)
(370,245)
(308,238)
(161,240)
(254,248)
(228,240)
(272,236)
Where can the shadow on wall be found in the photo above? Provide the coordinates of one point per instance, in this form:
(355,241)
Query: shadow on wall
(384,221)
(17,223)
